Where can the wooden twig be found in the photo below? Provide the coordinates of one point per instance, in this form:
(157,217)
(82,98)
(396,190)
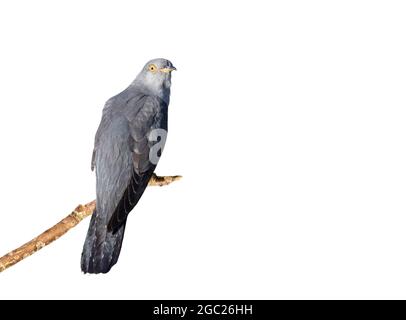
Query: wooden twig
(63,226)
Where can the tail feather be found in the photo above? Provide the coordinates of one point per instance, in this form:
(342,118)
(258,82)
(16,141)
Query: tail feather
(102,248)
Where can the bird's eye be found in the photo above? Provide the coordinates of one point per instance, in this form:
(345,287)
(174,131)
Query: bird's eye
(152,68)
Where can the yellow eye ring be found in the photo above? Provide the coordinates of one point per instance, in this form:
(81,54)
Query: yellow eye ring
(152,68)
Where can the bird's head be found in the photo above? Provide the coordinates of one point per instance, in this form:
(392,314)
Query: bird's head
(156,75)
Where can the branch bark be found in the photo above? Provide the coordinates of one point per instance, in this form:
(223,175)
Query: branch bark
(63,226)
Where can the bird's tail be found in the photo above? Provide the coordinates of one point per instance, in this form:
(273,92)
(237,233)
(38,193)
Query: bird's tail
(102,248)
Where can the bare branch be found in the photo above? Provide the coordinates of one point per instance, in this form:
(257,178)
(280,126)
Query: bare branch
(63,226)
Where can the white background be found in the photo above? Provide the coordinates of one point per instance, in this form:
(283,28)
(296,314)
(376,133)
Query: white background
(287,121)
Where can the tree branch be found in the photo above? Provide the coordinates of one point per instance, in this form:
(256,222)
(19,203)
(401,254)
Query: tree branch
(63,226)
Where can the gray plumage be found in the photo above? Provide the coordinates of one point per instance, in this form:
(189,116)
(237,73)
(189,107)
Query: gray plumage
(121,157)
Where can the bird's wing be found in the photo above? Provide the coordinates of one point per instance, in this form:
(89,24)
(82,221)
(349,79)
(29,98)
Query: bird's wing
(105,122)
(123,166)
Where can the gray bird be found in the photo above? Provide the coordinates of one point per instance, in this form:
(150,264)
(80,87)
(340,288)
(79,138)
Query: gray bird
(127,147)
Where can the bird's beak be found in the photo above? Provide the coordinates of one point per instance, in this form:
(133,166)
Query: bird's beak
(167,69)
